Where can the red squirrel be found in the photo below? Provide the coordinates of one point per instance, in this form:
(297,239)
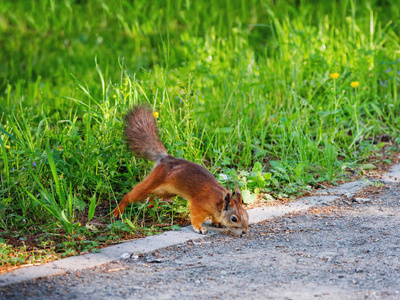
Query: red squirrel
(173,176)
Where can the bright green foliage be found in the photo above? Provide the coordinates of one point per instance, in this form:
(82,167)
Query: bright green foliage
(241,86)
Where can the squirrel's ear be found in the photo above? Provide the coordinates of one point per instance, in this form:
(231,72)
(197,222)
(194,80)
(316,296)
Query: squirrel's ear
(238,195)
(227,200)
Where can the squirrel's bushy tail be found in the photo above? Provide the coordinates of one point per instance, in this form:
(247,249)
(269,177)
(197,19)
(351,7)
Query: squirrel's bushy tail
(141,134)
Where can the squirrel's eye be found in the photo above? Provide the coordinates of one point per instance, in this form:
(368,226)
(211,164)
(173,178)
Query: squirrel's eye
(234,219)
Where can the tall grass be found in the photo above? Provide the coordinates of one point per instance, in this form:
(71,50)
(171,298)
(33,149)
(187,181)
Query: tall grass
(235,83)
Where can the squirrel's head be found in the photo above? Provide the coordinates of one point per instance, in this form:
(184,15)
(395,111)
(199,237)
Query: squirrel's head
(233,215)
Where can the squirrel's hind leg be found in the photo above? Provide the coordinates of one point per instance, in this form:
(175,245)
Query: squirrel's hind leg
(139,192)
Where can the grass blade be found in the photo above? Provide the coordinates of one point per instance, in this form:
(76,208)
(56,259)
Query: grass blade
(59,190)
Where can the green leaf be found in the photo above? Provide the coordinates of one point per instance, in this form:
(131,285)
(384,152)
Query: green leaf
(64,217)
(268,197)
(5,160)
(10,136)
(226,161)
(92,207)
(267,176)
(51,206)
(60,192)
(248,197)
(175,227)
(257,167)
(368,167)
(275,182)
(278,166)
(130,224)
(224,130)
(387,161)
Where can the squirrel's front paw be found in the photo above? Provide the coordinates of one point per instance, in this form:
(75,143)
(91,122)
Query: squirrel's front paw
(216,224)
(201,230)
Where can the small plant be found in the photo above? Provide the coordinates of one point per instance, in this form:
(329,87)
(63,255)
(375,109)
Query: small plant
(12,257)
(251,182)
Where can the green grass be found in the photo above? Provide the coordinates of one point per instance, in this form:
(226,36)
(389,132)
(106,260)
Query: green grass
(242,87)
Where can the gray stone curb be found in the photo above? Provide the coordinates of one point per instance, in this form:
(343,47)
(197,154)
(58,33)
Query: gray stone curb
(170,238)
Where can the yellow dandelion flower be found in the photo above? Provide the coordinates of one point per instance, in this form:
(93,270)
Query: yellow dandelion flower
(354,84)
(7,147)
(155,114)
(334,75)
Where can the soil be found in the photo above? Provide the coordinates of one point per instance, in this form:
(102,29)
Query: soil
(349,249)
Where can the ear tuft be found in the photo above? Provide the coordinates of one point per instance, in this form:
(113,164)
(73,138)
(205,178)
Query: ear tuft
(227,200)
(238,195)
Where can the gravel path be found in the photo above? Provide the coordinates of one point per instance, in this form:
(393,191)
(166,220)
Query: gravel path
(343,251)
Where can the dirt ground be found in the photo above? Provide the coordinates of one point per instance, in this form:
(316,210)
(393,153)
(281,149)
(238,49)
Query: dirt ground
(349,250)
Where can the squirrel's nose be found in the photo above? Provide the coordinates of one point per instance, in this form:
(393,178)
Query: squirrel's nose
(244,231)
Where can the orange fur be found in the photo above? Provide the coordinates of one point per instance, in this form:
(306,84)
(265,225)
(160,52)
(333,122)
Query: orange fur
(174,176)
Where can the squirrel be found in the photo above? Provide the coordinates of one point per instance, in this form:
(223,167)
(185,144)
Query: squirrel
(173,176)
